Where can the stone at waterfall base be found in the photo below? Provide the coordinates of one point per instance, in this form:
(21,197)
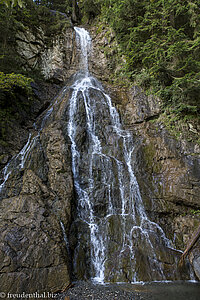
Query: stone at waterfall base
(179,290)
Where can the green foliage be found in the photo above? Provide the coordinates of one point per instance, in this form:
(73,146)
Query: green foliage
(9,82)
(16,105)
(89,9)
(195,212)
(65,6)
(12,3)
(161,43)
(31,18)
(15,101)
(15,88)
(181,121)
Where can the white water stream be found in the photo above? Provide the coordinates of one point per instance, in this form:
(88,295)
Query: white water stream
(18,161)
(128,212)
(120,238)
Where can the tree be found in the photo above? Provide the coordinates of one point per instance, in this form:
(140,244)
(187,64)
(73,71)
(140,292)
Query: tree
(12,3)
(161,43)
(90,9)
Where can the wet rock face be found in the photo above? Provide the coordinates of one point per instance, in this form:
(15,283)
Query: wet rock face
(32,250)
(57,60)
(139,107)
(107,198)
(37,197)
(33,254)
(195,259)
(167,171)
(17,130)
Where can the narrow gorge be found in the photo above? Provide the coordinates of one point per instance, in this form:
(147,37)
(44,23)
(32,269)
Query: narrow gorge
(98,192)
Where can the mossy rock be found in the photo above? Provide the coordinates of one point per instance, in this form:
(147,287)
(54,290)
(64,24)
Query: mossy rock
(149,152)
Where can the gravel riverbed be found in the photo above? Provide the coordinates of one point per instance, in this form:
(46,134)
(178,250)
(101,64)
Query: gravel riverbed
(149,291)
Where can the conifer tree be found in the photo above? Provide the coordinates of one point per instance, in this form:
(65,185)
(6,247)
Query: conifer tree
(12,3)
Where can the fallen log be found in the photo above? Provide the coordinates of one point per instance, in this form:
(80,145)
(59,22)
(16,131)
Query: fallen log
(190,244)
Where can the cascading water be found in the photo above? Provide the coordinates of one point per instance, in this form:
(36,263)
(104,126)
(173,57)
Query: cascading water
(18,162)
(114,239)
(115,236)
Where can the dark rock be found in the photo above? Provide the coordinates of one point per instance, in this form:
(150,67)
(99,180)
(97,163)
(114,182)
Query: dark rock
(33,251)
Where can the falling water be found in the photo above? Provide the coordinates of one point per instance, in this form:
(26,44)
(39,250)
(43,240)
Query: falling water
(115,239)
(124,245)
(18,162)
(85,42)
(64,236)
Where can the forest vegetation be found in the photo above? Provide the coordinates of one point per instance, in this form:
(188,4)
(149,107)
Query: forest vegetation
(159,39)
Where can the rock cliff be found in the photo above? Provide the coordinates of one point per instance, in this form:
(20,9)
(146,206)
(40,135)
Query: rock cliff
(167,168)
(38,198)
(36,214)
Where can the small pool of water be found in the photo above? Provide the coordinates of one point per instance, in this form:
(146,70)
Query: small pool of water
(177,290)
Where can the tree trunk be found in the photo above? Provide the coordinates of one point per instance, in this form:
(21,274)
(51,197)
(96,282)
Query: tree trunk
(190,244)
(75,12)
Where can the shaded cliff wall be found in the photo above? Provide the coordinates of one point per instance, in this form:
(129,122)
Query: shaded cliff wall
(36,199)
(50,60)
(167,169)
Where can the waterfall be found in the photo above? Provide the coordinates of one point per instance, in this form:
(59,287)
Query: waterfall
(83,38)
(115,236)
(18,162)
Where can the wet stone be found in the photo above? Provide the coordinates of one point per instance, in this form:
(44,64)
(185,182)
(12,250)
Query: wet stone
(149,291)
